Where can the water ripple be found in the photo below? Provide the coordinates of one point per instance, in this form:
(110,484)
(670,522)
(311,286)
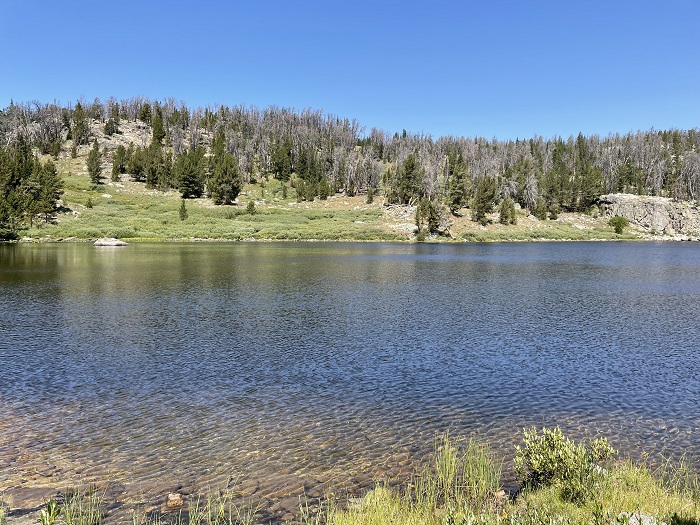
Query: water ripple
(193,363)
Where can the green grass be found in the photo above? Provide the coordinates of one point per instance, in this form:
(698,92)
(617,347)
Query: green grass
(80,507)
(461,487)
(547,231)
(87,508)
(220,508)
(131,212)
(83,508)
(154,215)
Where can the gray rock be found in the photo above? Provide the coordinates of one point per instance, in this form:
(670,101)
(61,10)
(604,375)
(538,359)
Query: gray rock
(110,241)
(636,518)
(658,214)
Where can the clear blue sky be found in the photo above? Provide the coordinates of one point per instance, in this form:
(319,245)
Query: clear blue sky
(505,69)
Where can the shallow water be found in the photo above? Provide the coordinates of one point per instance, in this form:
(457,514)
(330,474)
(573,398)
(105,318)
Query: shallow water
(196,362)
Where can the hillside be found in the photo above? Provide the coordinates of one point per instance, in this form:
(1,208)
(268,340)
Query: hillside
(306,176)
(129,210)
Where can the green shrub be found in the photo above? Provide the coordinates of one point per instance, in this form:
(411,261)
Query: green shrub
(619,223)
(550,458)
(250,208)
(182,211)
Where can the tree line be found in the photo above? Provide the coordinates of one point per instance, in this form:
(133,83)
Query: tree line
(214,150)
(29,189)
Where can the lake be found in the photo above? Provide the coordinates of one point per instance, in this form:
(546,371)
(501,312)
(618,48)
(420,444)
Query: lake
(336,362)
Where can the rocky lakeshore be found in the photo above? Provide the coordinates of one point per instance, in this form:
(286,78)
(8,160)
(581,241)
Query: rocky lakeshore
(659,216)
(274,499)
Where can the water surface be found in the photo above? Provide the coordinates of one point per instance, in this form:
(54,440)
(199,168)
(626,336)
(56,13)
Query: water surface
(193,362)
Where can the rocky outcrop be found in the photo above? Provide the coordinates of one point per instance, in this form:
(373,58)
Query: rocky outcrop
(658,214)
(110,242)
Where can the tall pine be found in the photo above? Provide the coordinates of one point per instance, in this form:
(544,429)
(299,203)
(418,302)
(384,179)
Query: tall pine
(94,164)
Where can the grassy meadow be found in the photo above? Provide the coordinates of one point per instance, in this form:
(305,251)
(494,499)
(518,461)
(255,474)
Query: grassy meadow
(129,211)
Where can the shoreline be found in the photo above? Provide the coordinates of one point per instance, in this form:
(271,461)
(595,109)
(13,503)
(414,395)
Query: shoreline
(204,240)
(296,498)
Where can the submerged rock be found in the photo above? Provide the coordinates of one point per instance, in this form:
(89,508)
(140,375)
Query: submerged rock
(174,501)
(110,241)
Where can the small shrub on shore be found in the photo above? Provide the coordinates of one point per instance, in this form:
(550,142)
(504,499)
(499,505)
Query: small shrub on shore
(549,458)
(619,223)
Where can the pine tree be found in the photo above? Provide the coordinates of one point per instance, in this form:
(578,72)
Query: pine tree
(540,210)
(225,183)
(189,173)
(407,184)
(165,173)
(506,212)
(459,185)
(111,127)
(136,164)
(484,197)
(118,163)
(80,128)
(27,188)
(182,212)
(94,164)
(282,160)
(50,190)
(145,113)
(324,189)
(427,216)
(154,160)
(158,128)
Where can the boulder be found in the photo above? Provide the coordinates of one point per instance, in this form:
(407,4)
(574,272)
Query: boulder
(174,501)
(109,241)
(659,214)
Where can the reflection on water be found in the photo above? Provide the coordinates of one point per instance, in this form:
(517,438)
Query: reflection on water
(195,362)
